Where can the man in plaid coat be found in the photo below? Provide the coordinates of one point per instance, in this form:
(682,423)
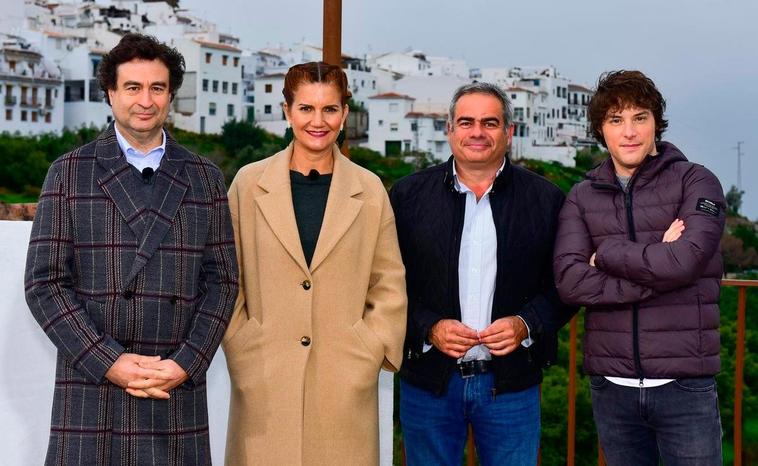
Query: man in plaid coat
(131,272)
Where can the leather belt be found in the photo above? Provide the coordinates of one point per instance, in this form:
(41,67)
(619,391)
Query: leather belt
(471,368)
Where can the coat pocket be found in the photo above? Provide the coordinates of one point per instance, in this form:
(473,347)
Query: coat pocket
(242,337)
(369,339)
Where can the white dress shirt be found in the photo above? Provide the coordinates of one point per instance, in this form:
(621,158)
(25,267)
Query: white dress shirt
(140,160)
(477,264)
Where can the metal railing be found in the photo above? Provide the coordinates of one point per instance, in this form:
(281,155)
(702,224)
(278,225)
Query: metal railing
(742,286)
(739,384)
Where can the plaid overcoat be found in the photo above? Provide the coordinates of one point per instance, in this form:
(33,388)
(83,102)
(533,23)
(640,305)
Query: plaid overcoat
(104,276)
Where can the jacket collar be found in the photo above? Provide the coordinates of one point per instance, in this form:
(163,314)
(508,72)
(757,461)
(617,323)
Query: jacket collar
(342,206)
(149,225)
(605,174)
(500,181)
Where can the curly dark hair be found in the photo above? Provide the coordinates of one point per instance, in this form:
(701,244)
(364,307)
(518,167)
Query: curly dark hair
(618,90)
(141,47)
(315,72)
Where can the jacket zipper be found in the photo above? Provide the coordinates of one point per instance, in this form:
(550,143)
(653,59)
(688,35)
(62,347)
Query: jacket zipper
(635,306)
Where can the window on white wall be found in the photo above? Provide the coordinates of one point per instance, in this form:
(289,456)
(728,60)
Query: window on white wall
(394,107)
(393,126)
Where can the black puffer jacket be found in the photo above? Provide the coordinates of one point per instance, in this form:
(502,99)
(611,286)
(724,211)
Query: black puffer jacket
(652,307)
(429,214)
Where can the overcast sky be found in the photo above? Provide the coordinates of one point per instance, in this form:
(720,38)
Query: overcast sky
(702,54)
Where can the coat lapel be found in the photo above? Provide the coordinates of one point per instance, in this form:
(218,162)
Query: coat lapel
(171,183)
(276,205)
(342,207)
(117,180)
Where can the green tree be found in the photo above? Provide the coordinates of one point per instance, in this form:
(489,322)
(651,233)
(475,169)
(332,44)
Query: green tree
(236,135)
(734,200)
(588,157)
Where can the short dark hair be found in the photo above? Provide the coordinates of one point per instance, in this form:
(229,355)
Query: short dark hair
(141,47)
(315,72)
(482,88)
(618,90)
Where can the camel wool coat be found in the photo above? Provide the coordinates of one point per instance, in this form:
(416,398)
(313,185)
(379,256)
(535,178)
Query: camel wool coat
(305,346)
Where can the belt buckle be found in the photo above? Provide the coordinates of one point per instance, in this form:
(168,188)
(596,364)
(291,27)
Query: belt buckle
(467,370)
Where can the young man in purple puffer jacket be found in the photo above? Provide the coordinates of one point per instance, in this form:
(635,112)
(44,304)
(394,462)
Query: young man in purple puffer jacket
(638,245)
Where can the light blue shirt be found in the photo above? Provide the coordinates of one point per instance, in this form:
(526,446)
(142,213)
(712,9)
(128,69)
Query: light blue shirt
(477,265)
(140,160)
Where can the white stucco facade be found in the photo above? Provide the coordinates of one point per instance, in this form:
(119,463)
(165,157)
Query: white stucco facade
(388,129)
(31,89)
(212,93)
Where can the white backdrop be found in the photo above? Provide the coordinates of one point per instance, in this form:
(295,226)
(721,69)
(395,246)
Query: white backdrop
(27,371)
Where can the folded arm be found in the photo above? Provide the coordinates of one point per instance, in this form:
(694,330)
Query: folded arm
(577,281)
(669,265)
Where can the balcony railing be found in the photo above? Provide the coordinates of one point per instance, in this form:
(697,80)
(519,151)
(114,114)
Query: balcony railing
(742,286)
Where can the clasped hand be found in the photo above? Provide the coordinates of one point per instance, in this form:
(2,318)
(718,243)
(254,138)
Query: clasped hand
(454,338)
(146,376)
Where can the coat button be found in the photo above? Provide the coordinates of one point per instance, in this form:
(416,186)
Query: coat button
(128,294)
(173,300)
(306,284)
(305,341)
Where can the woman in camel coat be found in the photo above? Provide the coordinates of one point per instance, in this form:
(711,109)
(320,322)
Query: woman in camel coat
(322,302)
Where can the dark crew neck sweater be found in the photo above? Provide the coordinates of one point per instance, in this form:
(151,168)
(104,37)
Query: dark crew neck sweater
(309,195)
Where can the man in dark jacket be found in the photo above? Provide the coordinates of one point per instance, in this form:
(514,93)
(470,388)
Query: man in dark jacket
(476,235)
(638,244)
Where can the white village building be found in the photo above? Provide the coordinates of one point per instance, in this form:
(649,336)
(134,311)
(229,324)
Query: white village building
(31,89)
(76,35)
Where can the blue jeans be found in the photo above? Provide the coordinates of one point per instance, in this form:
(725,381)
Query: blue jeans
(506,426)
(678,422)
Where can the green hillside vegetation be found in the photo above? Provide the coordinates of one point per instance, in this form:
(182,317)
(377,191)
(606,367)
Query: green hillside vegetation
(24,162)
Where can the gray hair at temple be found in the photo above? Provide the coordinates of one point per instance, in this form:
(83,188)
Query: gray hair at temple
(482,88)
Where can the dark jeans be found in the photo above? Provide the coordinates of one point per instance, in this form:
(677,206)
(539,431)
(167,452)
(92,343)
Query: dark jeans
(678,422)
(435,428)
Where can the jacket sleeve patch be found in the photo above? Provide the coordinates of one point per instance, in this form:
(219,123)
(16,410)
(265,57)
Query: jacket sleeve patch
(707,206)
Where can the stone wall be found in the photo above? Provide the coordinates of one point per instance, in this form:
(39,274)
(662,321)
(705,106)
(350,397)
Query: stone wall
(17,211)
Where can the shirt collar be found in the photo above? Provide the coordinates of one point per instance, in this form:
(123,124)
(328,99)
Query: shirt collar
(128,149)
(462,188)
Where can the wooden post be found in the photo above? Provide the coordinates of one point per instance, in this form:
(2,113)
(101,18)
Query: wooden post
(332,43)
(470,448)
(739,374)
(571,434)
